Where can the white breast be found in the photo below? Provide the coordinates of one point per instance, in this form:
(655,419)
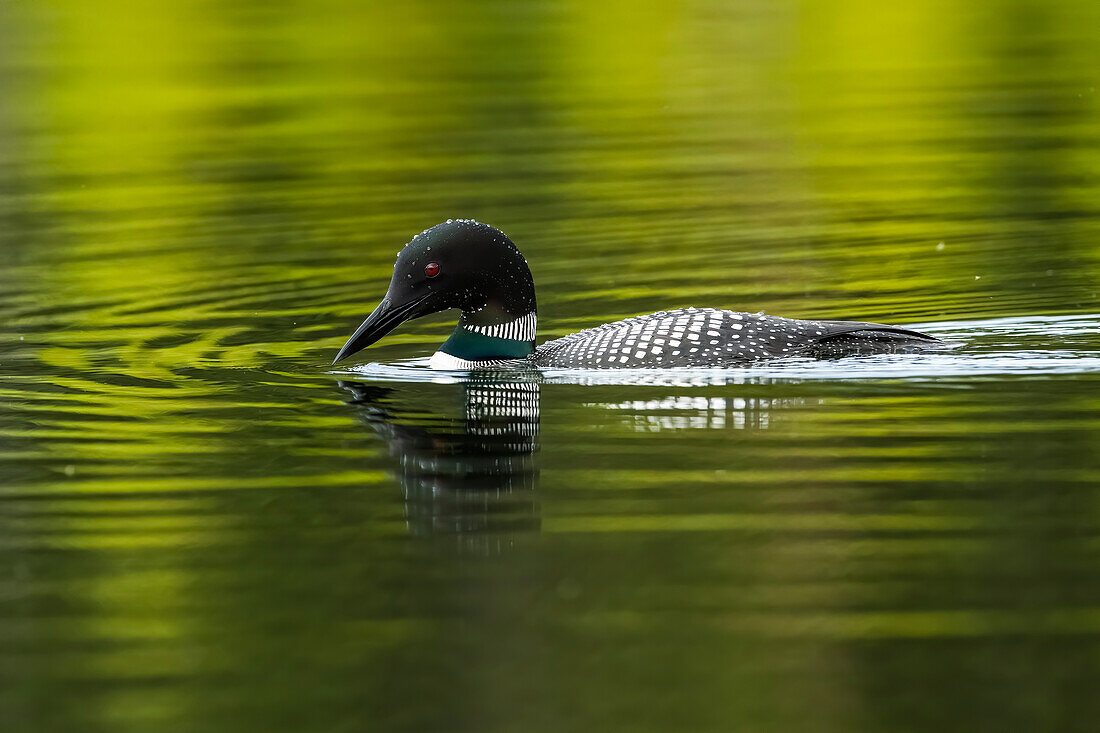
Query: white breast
(440,360)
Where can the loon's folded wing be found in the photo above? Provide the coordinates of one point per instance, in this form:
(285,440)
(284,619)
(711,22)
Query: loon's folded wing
(843,338)
(834,329)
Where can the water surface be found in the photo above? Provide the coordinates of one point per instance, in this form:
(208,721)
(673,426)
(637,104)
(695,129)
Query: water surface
(204,527)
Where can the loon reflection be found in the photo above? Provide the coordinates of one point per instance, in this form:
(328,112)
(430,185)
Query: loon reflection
(693,412)
(468,471)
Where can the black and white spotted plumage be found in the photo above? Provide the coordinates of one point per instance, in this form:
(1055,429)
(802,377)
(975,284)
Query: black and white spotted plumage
(708,337)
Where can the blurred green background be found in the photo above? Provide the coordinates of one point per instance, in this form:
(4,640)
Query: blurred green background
(200,200)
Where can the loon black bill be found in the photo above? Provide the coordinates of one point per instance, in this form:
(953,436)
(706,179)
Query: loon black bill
(384,319)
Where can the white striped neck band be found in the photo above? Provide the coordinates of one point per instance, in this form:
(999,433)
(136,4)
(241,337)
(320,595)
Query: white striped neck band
(521,329)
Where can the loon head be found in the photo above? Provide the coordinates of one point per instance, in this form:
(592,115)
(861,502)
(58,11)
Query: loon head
(461,264)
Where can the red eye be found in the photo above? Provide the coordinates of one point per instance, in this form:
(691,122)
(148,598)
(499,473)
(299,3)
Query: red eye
(431,269)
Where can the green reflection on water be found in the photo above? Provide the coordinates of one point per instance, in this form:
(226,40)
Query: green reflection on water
(201,530)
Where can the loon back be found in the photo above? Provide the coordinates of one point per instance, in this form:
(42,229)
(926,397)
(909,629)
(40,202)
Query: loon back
(707,337)
(475,268)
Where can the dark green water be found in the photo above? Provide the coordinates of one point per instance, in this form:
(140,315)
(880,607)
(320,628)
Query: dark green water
(203,528)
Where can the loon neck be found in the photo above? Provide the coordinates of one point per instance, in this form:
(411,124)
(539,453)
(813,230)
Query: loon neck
(475,340)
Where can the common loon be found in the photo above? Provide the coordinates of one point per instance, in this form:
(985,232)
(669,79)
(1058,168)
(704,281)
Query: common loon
(471,266)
